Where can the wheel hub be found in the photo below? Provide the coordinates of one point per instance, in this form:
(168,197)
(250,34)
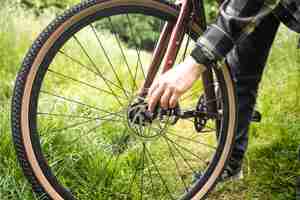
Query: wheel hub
(146,124)
(140,120)
(139,115)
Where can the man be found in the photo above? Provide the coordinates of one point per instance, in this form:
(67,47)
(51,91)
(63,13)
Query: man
(243,33)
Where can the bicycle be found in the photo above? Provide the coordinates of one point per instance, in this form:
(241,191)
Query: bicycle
(74,123)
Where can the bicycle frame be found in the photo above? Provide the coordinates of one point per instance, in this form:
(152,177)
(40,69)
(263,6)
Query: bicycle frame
(170,41)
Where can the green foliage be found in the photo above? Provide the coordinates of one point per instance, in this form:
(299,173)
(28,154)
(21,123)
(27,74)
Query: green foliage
(40,6)
(44,4)
(211,9)
(145,30)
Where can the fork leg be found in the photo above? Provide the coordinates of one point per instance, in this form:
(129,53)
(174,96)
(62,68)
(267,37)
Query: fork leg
(177,35)
(157,57)
(209,90)
(168,46)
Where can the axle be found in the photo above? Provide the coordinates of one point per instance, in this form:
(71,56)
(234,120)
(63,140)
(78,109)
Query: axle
(138,113)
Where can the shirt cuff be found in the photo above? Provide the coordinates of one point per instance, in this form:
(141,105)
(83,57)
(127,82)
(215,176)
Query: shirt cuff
(202,55)
(217,41)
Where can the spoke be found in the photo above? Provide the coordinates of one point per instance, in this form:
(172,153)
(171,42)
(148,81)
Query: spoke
(182,156)
(110,159)
(206,130)
(78,117)
(187,42)
(159,174)
(108,59)
(136,47)
(176,165)
(151,180)
(106,81)
(76,102)
(191,140)
(120,47)
(103,118)
(89,121)
(65,116)
(58,166)
(118,156)
(85,133)
(184,148)
(142,177)
(77,61)
(88,132)
(193,93)
(149,129)
(83,83)
(87,68)
(100,74)
(72,126)
(127,65)
(136,70)
(197,91)
(135,174)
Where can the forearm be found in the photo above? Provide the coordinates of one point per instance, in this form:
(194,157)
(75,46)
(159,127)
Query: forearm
(236,19)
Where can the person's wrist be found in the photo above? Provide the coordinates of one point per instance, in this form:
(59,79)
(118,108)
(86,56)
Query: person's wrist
(199,68)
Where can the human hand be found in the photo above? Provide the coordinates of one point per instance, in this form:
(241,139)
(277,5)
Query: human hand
(170,86)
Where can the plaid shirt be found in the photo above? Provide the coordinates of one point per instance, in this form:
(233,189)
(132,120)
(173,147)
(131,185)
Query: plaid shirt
(237,19)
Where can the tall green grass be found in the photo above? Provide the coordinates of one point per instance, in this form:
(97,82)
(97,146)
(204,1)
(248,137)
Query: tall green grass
(16,34)
(271,165)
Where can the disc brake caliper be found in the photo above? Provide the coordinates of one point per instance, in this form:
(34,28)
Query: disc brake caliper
(138,113)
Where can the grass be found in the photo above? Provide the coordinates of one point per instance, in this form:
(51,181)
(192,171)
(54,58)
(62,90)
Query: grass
(271,165)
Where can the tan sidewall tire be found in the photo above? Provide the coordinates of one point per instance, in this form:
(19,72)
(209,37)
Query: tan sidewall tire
(25,129)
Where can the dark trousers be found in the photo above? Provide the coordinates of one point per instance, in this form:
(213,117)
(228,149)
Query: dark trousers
(248,60)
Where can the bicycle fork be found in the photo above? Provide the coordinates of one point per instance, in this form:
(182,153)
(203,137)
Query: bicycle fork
(168,46)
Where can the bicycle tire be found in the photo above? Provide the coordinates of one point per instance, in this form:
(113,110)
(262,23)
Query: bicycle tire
(29,80)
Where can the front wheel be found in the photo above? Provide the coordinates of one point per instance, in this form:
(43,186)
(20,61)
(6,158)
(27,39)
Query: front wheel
(71,122)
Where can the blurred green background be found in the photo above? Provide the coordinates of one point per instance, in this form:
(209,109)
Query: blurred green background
(271,165)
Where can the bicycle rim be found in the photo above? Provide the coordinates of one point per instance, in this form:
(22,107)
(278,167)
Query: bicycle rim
(109,141)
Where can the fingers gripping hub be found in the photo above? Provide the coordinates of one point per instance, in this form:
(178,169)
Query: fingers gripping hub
(138,113)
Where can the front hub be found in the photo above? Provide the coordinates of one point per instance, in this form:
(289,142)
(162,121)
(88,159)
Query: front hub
(139,115)
(142,122)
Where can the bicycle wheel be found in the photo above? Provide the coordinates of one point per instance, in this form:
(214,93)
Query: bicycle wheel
(71,125)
